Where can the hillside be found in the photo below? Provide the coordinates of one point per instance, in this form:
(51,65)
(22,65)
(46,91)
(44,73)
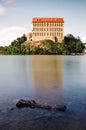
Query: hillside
(70,45)
(40,47)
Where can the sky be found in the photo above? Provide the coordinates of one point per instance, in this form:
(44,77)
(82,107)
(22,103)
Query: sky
(16,17)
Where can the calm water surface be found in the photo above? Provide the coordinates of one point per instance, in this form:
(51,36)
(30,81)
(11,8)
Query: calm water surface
(49,80)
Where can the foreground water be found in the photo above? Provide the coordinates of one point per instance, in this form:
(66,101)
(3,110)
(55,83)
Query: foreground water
(49,80)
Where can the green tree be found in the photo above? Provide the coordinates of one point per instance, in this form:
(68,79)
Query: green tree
(79,47)
(15,47)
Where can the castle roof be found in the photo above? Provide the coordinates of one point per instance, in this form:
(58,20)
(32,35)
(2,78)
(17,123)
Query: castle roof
(37,19)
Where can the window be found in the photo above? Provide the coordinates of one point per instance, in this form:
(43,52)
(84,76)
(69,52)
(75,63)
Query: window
(57,29)
(44,29)
(44,24)
(61,24)
(54,29)
(52,24)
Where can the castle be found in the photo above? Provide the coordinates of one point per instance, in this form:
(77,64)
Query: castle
(46,28)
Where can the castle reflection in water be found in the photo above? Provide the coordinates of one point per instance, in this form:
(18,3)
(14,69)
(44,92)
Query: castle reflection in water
(47,78)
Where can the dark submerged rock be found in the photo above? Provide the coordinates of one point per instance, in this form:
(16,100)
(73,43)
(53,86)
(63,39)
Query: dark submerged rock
(24,103)
(32,103)
(60,107)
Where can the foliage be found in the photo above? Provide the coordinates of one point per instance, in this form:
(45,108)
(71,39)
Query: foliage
(14,48)
(72,45)
(68,46)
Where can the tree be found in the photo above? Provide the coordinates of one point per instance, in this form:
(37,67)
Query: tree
(79,47)
(15,47)
(72,45)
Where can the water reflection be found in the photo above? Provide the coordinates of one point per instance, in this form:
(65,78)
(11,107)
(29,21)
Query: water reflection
(47,77)
(74,75)
(15,78)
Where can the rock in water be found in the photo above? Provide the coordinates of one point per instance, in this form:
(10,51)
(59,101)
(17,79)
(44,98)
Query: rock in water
(32,103)
(25,103)
(60,107)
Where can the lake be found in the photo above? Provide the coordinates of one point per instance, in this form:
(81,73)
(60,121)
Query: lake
(49,79)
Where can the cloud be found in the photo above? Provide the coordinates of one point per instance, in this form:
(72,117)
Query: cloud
(7,35)
(2,10)
(8,1)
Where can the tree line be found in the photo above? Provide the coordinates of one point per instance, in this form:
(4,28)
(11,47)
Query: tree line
(70,45)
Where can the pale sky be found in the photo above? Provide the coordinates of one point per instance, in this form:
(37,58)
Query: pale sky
(16,16)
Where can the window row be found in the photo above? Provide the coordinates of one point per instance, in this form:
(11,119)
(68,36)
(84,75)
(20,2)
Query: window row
(48,34)
(47,24)
(47,29)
